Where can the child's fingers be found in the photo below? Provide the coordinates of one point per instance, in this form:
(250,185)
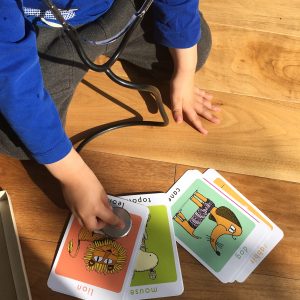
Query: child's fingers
(91,223)
(210,106)
(206,112)
(196,122)
(100,224)
(177,110)
(203,94)
(107,215)
(208,96)
(78,219)
(208,115)
(216,108)
(199,92)
(107,204)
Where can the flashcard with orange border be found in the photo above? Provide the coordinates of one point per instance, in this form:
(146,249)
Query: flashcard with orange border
(90,265)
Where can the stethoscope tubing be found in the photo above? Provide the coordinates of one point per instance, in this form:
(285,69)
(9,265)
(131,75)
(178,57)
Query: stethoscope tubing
(106,68)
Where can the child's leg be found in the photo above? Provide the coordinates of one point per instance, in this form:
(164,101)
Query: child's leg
(63,69)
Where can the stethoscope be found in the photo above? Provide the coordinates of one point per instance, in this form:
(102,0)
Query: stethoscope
(126,32)
(106,67)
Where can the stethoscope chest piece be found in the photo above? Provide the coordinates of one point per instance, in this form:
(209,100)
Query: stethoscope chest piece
(115,232)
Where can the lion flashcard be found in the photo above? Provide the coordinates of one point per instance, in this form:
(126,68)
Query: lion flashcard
(91,265)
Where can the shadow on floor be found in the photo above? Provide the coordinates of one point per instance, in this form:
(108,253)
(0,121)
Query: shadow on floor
(45,181)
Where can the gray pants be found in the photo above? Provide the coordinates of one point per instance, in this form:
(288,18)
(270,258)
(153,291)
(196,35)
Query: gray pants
(62,68)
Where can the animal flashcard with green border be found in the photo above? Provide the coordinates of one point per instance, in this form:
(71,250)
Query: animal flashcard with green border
(212,227)
(268,243)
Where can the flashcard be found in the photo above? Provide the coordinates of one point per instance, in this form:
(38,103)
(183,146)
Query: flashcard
(157,271)
(212,227)
(90,265)
(275,234)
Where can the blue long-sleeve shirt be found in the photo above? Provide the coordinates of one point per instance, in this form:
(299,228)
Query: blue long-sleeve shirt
(24,101)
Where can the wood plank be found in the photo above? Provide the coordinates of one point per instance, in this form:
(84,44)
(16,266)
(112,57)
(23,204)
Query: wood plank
(127,175)
(252,63)
(256,137)
(38,204)
(37,200)
(277,16)
(249,62)
(279,200)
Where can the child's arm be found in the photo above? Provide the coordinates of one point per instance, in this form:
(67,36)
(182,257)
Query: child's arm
(31,113)
(177,25)
(187,99)
(83,192)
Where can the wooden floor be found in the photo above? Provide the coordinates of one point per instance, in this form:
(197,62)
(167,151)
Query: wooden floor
(253,71)
(40,216)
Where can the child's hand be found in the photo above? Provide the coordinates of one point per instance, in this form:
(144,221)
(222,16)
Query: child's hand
(83,192)
(188,100)
(88,201)
(191,102)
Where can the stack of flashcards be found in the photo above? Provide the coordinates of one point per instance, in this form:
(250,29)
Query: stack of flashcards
(204,213)
(221,228)
(89,265)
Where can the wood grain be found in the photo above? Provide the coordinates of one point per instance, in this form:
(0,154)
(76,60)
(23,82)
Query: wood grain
(276,17)
(38,204)
(249,62)
(253,63)
(127,175)
(256,136)
(37,201)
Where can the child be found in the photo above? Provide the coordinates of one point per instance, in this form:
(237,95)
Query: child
(39,70)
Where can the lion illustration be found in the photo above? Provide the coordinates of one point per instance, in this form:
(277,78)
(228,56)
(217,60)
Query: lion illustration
(84,235)
(105,256)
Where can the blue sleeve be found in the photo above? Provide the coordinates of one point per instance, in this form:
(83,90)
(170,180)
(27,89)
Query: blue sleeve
(24,102)
(176,23)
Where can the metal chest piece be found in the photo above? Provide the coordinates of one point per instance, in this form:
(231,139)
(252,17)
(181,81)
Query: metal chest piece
(114,232)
